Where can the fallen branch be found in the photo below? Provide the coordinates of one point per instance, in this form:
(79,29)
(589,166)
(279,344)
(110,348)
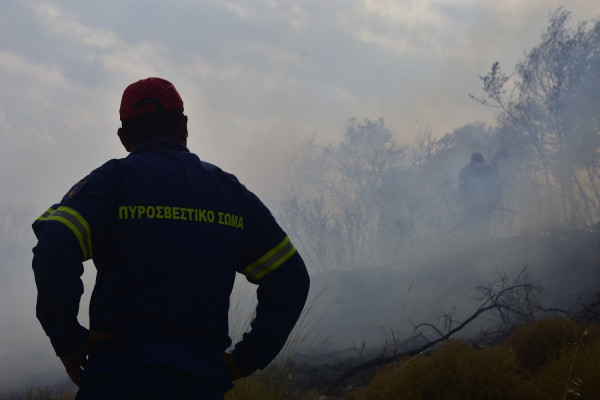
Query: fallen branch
(514,300)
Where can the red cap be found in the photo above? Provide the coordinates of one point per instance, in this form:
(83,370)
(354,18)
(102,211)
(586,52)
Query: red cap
(147,96)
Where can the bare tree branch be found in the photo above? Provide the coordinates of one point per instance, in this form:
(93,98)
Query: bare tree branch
(513,299)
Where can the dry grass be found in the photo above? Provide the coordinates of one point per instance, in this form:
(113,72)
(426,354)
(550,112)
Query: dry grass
(455,371)
(550,359)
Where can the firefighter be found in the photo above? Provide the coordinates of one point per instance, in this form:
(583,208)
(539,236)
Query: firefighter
(479,192)
(167,233)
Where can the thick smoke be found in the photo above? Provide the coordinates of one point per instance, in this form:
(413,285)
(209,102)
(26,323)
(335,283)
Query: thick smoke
(383,230)
(382,225)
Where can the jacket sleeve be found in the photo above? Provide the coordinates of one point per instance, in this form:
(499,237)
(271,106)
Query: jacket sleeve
(57,266)
(64,235)
(283,284)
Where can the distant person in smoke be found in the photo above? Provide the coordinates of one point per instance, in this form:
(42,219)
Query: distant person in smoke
(479,193)
(167,233)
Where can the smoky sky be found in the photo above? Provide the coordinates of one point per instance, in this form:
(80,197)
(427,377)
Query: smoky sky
(257,78)
(254,75)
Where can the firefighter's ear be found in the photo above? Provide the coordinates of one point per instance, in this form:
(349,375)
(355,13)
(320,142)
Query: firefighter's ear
(124,141)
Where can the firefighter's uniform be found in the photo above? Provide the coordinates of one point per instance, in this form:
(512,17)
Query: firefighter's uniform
(167,233)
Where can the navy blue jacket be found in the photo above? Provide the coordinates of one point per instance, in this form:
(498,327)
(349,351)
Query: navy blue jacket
(167,233)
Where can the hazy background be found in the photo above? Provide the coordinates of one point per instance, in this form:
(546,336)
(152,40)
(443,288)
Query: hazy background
(257,78)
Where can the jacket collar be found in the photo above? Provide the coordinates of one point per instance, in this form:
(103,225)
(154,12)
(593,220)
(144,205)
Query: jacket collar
(167,143)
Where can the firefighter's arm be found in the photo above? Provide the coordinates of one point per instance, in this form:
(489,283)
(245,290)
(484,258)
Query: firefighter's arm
(63,244)
(57,266)
(281,295)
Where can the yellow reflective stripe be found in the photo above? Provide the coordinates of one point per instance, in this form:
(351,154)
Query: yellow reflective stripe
(78,225)
(271,260)
(45,215)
